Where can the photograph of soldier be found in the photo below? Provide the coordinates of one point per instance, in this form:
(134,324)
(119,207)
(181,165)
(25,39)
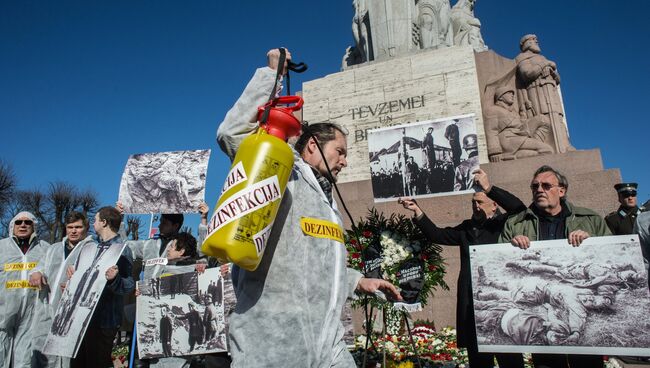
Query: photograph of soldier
(423,159)
(185,317)
(554,298)
(166,328)
(164,182)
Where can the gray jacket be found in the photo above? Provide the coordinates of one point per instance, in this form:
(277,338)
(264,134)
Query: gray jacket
(288,310)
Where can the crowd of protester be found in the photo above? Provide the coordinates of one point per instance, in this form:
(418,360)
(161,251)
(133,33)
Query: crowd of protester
(276,304)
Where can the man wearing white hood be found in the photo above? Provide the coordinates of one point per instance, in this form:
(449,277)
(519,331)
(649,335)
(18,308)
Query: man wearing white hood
(19,253)
(48,277)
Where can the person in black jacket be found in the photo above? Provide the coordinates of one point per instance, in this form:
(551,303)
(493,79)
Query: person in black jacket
(483,228)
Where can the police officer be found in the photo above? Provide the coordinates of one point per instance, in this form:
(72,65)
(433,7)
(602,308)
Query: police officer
(621,221)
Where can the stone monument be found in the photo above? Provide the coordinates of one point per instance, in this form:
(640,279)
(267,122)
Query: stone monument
(387,29)
(467,28)
(420,60)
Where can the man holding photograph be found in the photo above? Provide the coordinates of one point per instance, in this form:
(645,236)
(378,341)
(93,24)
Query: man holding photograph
(483,228)
(95,348)
(550,217)
(48,276)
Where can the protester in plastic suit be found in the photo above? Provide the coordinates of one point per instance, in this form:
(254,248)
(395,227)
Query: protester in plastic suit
(170,225)
(19,253)
(48,277)
(288,310)
(181,254)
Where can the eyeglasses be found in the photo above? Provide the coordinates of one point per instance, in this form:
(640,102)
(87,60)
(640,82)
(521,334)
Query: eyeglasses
(545,186)
(26,222)
(628,194)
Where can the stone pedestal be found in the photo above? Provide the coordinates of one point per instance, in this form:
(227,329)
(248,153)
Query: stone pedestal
(428,85)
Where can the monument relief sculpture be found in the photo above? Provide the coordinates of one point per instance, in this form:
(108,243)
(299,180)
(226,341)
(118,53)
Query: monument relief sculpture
(360,31)
(508,136)
(537,81)
(466,27)
(434,24)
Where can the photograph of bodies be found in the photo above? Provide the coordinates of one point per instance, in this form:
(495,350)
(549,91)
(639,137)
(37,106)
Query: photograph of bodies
(80,298)
(554,298)
(164,182)
(180,315)
(425,159)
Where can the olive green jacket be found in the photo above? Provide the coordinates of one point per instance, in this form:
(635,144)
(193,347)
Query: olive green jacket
(527,223)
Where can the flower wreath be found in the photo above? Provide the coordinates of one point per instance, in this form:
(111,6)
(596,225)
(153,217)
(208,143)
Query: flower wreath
(381,247)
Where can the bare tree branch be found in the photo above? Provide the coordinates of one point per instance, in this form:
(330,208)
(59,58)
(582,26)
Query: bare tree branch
(51,207)
(7,185)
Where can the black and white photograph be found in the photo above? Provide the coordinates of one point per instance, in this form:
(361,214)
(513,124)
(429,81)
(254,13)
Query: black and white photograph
(80,298)
(179,315)
(555,298)
(164,182)
(424,159)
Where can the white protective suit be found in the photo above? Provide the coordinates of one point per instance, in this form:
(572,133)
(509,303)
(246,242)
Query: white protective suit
(53,268)
(17,298)
(288,310)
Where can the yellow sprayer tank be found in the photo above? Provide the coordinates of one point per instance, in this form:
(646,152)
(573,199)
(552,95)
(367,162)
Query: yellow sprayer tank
(243,217)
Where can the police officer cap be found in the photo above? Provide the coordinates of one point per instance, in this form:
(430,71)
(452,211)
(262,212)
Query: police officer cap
(469,141)
(626,187)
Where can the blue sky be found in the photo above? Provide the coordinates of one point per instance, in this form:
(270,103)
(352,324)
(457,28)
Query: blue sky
(84,84)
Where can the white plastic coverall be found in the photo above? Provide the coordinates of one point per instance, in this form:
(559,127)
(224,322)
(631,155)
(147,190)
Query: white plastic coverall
(53,268)
(288,310)
(158,271)
(17,298)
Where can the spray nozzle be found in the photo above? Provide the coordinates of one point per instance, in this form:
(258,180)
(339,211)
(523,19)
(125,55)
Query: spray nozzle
(280,121)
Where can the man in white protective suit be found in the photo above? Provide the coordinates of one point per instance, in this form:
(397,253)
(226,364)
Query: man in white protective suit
(288,310)
(48,277)
(19,253)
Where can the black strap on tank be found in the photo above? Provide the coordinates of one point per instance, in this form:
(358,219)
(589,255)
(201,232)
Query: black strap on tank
(278,76)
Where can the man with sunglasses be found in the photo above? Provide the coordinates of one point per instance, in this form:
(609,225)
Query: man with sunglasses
(550,217)
(621,221)
(20,253)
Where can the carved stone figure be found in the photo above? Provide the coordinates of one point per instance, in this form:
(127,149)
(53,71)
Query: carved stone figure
(467,28)
(434,24)
(537,90)
(383,29)
(508,136)
(391,27)
(360,31)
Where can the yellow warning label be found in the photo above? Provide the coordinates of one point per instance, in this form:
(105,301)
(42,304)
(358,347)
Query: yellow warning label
(321,229)
(20,266)
(19,284)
